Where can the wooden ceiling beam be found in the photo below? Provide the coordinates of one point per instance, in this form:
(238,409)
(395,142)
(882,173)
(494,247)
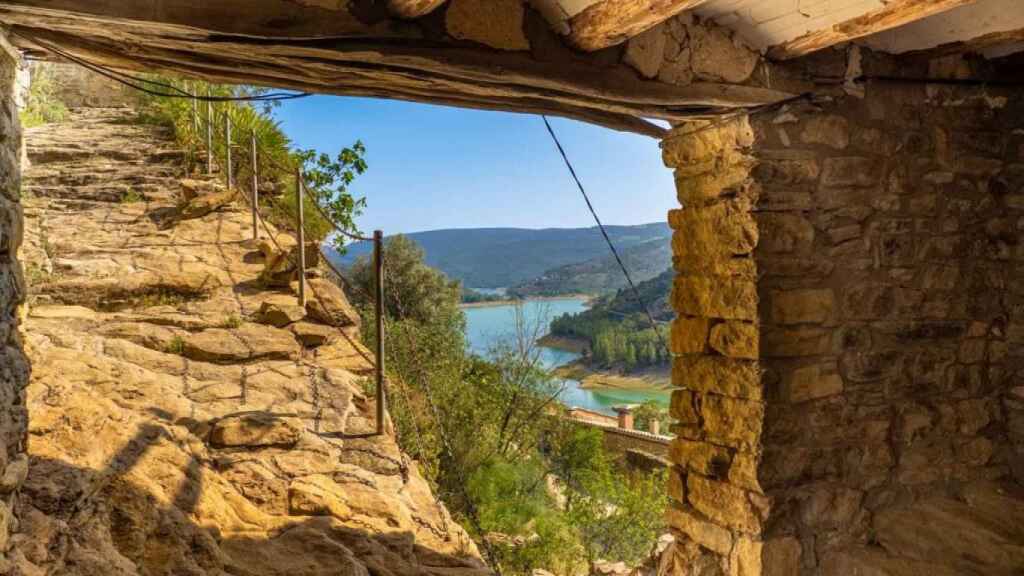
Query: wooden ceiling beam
(610,22)
(413,8)
(894,14)
(358,53)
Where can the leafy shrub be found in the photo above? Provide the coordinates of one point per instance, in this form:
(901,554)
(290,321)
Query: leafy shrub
(326,180)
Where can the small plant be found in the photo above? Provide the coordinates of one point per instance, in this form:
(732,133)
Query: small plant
(232,321)
(131,196)
(176,346)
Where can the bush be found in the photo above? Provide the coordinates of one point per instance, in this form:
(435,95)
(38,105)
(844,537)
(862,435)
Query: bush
(326,180)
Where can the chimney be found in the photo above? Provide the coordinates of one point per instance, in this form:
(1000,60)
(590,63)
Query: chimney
(655,427)
(625,416)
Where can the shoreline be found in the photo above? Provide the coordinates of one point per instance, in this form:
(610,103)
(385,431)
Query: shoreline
(510,301)
(565,343)
(651,379)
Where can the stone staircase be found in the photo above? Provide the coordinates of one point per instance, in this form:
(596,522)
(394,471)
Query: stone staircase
(183,417)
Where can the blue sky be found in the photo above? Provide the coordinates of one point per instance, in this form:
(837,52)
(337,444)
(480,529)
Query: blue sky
(436,167)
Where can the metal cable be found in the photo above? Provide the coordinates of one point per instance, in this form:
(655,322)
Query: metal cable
(611,246)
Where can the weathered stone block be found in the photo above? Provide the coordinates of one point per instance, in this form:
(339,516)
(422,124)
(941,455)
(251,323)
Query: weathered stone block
(731,421)
(831,130)
(677,485)
(695,189)
(743,472)
(646,51)
(746,558)
(700,457)
(852,171)
(724,504)
(720,297)
(707,534)
(495,23)
(735,339)
(783,233)
(716,232)
(781,557)
(795,342)
(809,306)
(689,335)
(714,374)
(691,144)
(787,173)
(683,407)
(717,56)
(813,382)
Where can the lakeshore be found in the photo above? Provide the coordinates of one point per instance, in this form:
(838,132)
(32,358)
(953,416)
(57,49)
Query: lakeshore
(648,379)
(585,298)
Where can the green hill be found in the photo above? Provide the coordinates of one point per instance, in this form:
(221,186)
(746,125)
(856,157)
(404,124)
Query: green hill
(505,257)
(616,328)
(602,274)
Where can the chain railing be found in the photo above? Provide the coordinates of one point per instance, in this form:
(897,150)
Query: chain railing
(299,260)
(255,154)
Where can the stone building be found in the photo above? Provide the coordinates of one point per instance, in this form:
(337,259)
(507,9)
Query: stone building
(849,346)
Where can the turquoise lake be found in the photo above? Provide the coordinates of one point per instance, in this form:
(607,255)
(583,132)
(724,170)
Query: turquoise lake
(487,326)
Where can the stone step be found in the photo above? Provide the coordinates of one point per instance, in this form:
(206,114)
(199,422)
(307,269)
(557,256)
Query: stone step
(39,154)
(104,192)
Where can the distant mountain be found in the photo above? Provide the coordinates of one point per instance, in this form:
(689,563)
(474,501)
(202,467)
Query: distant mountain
(504,257)
(602,274)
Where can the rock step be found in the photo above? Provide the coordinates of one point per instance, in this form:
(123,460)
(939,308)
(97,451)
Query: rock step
(91,177)
(105,192)
(48,154)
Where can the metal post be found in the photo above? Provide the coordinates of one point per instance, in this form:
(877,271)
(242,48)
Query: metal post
(255,189)
(227,150)
(195,116)
(302,236)
(378,262)
(209,137)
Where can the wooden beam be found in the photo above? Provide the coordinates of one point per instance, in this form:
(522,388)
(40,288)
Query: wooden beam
(413,8)
(610,22)
(378,57)
(894,14)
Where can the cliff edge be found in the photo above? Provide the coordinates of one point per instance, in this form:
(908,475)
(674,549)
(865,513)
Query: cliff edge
(184,418)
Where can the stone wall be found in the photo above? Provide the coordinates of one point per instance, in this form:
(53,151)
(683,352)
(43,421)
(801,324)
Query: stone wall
(892,322)
(13,365)
(848,341)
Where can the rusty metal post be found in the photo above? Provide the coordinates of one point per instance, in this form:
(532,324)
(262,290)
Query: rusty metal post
(302,236)
(378,264)
(255,189)
(209,137)
(227,151)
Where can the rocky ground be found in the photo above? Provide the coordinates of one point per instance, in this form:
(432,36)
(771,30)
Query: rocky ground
(184,418)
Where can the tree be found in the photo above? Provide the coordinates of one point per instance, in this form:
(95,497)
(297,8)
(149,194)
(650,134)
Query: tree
(648,412)
(412,290)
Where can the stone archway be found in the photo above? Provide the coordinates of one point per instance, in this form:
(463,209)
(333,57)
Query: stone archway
(849,331)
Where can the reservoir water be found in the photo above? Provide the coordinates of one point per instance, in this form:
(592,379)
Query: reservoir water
(487,326)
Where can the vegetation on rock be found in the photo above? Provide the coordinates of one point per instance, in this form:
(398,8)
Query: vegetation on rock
(326,179)
(534,490)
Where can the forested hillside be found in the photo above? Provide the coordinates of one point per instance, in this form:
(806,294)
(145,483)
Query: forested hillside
(600,275)
(618,330)
(504,257)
